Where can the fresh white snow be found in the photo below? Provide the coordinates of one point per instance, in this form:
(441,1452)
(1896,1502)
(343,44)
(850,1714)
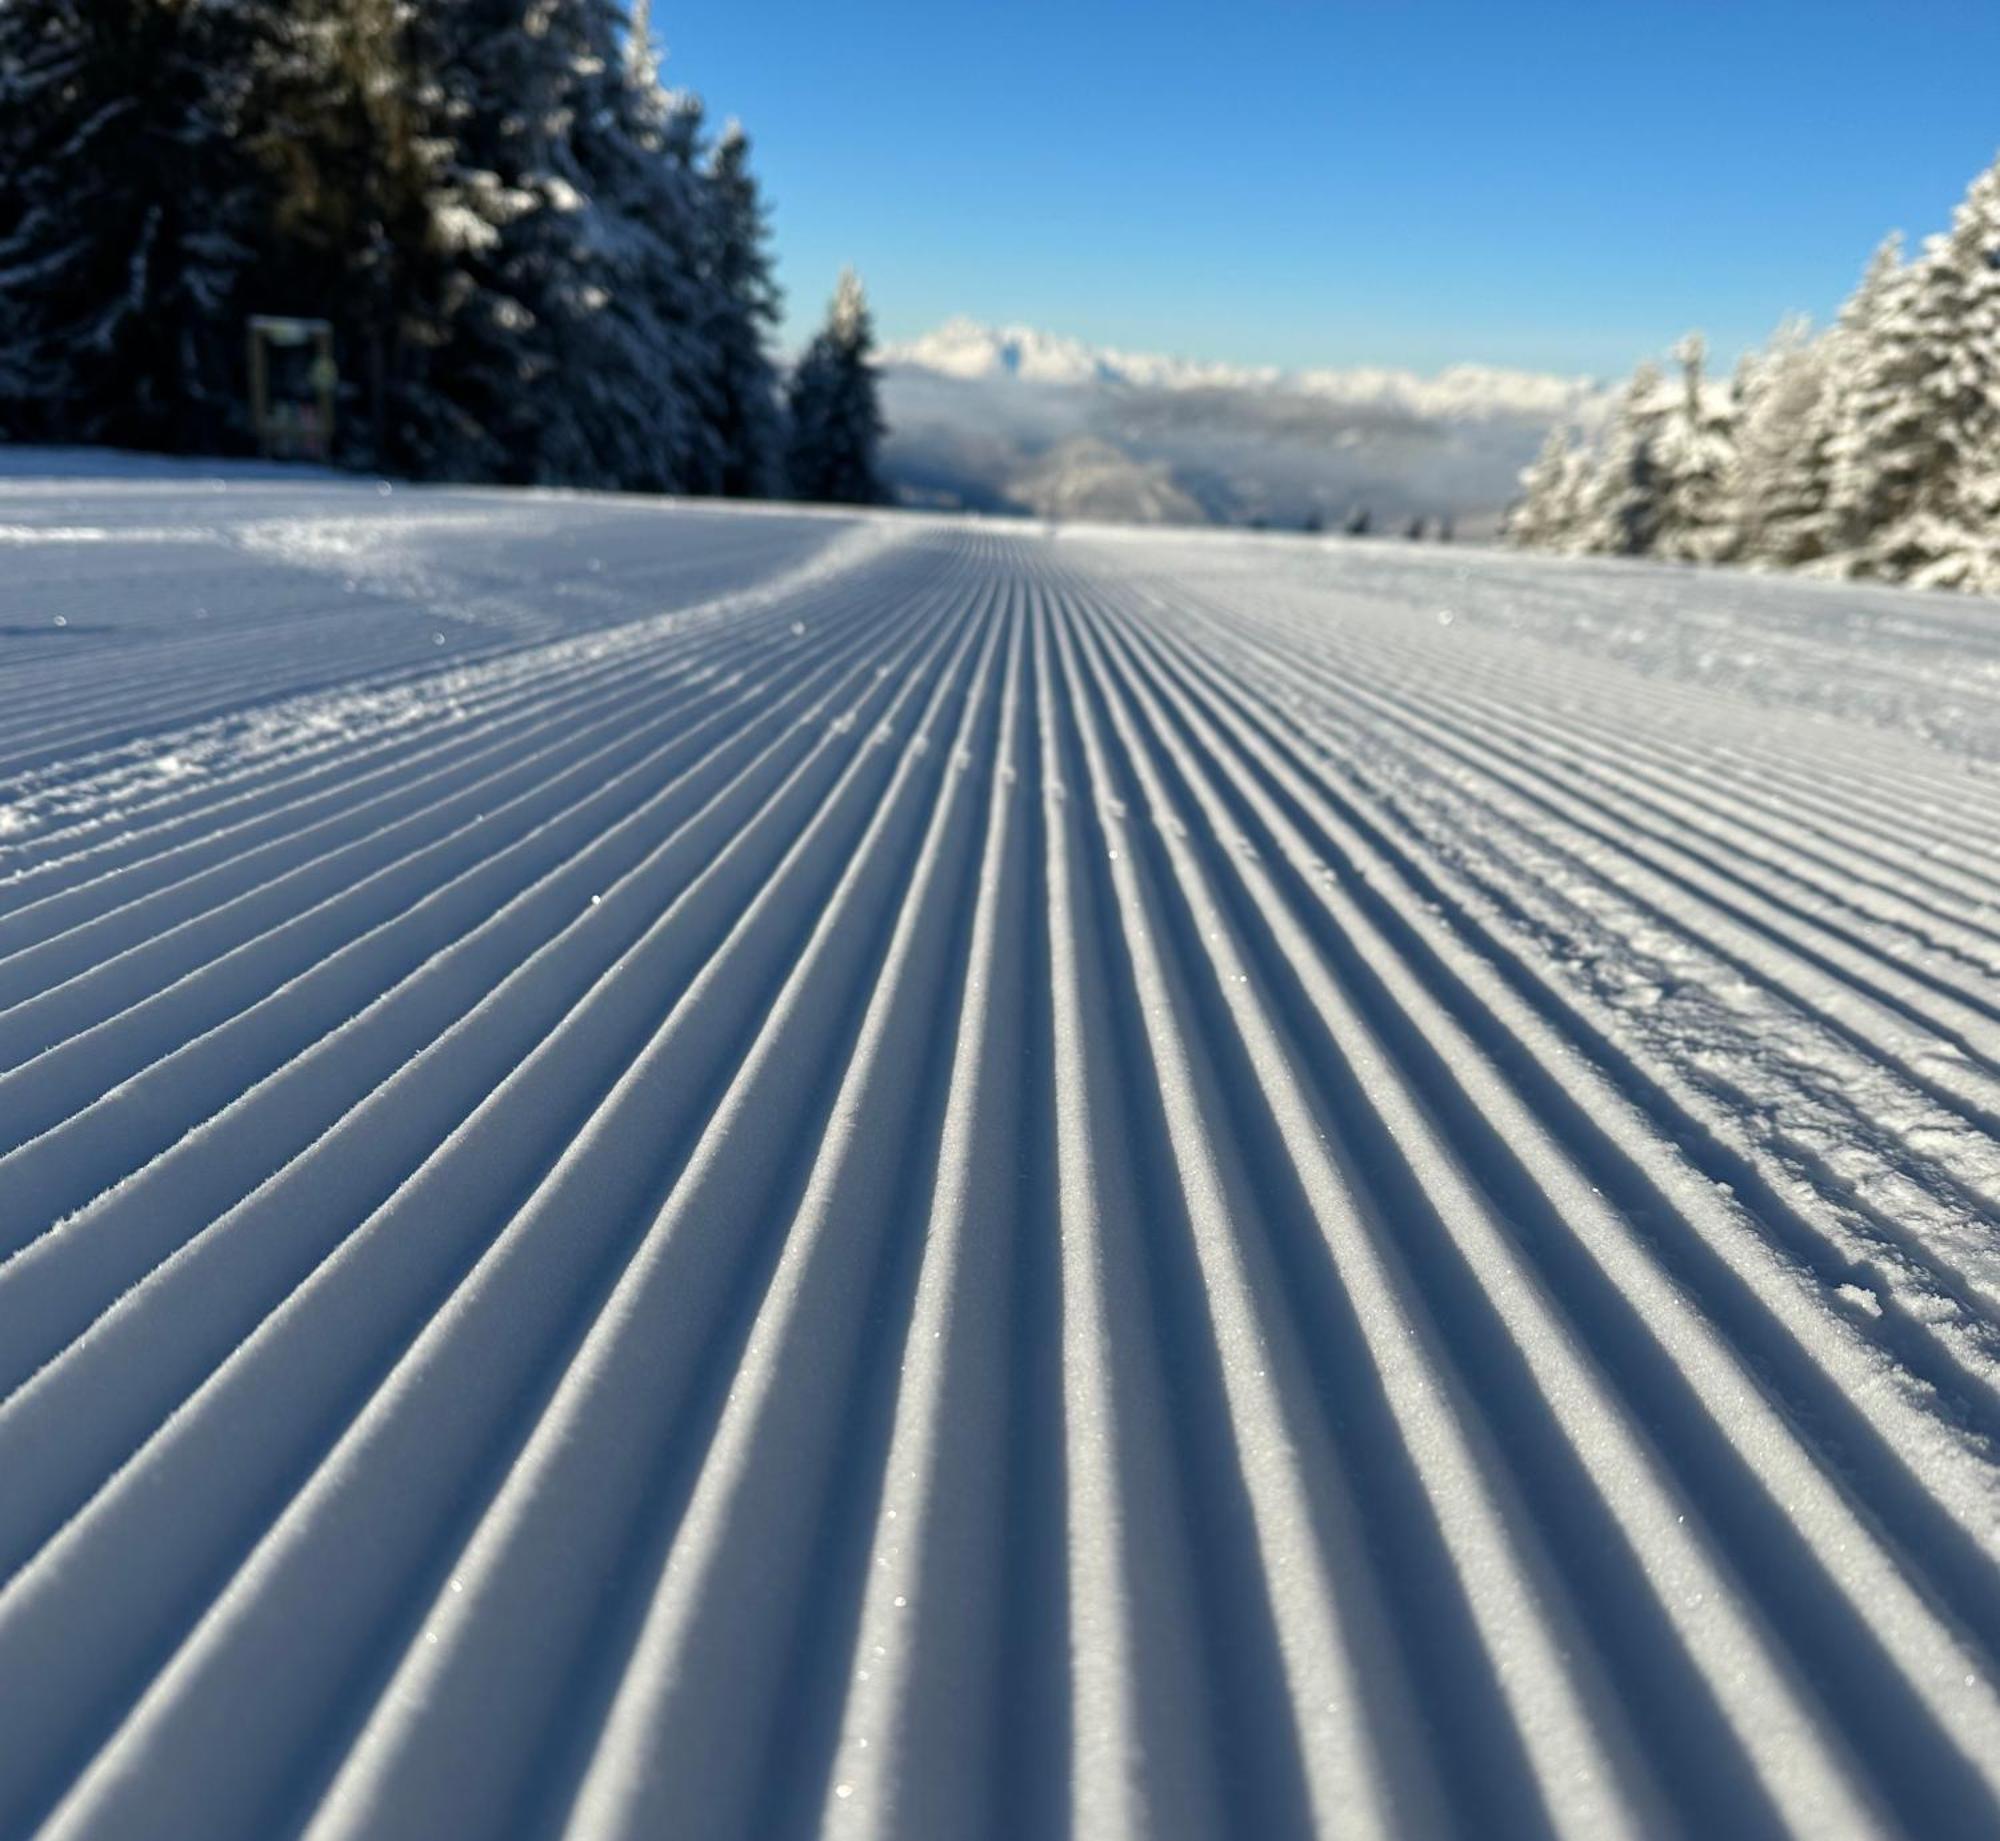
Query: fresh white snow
(673,1170)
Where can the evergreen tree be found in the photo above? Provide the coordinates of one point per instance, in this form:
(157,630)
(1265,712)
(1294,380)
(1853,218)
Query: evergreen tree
(836,419)
(535,268)
(577,351)
(509,76)
(743,308)
(1837,428)
(1767,382)
(1693,449)
(1872,450)
(127,220)
(350,112)
(1657,482)
(1881,449)
(635,356)
(1911,479)
(1918,496)
(1620,503)
(1548,514)
(1781,469)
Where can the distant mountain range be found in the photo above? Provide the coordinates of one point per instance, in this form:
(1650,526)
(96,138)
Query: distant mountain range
(1013,419)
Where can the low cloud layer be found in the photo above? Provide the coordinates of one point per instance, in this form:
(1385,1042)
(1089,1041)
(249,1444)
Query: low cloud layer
(1053,429)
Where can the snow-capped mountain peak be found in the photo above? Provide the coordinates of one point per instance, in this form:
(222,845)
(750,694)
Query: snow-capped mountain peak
(963,347)
(969,350)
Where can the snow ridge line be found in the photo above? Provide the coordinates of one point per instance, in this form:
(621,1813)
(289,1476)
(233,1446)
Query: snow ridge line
(149,670)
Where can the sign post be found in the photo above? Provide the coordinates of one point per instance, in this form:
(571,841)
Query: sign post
(292,383)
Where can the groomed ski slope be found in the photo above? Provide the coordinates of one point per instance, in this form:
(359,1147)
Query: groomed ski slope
(673,1172)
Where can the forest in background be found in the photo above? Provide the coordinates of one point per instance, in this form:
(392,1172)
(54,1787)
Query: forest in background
(539,263)
(1867,450)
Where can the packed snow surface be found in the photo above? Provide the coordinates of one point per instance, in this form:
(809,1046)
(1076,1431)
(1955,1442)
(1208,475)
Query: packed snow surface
(701,1173)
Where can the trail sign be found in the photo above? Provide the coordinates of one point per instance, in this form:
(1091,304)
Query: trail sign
(293,378)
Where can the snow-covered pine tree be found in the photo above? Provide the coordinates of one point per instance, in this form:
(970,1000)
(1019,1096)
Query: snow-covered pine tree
(1851,360)
(534,268)
(493,112)
(349,117)
(1776,491)
(1872,450)
(1691,453)
(578,350)
(836,418)
(635,328)
(130,212)
(743,307)
(1547,514)
(1910,498)
(1948,533)
(508,72)
(1619,505)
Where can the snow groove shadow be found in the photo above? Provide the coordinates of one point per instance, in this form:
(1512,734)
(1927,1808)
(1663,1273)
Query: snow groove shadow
(544,1777)
(256,1507)
(1861,854)
(1250,1719)
(1613,806)
(1918,1771)
(1029,1789)
(1662,1691)
(1974,1396)
(803,1719)
(1795,945)
(1482,1768)
(376,1167)
(1864,986)
(499,914)
(804,1716)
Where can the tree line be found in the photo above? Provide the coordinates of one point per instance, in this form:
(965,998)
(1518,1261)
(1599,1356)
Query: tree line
(1867,450)
(540,265)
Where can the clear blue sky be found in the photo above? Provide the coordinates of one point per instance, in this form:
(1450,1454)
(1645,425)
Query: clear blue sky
(1557,185)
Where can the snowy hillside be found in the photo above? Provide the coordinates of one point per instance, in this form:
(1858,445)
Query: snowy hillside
(715,1173)
(976,412)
